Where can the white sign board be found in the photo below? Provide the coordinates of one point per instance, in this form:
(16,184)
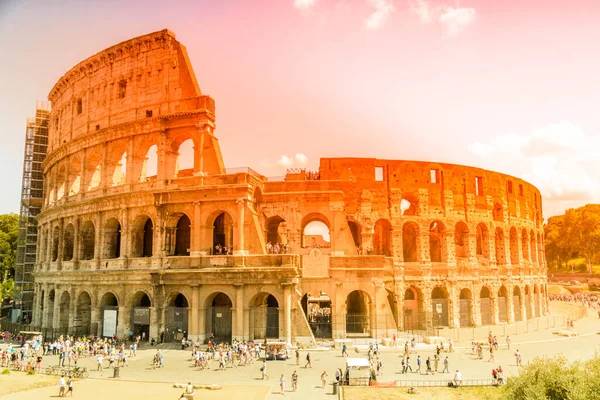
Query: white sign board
(109,323)
(438,308)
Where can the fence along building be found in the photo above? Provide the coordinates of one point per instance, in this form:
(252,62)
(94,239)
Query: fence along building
(138,237)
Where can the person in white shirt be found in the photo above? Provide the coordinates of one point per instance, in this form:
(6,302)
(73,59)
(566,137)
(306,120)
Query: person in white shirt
(457,378)
(61,386)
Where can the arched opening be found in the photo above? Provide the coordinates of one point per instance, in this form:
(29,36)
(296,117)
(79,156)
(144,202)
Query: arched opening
(461,240)
(68,242)
(109,306)
(500,250)
(514,247)
(185,159)
(315,232)
(223,234)
(218,317)
(182,236)
(382,237)
(410,233)
(83,315)
(140,315)
(414,317)
(482,241)
(485,306)
(176,318)
(112,239)
(355,231)
(409,205)
(498,213)
(61,182)
(439,304)
(437,242)
(55,243)
(74,180)
(357,314)
(87,241)
(150,164)
(503,304)
(50,307)
(264,317)
(317,308)
(63,316)
(142,237)
(533,247)
(120,172)
(276,234)
(525,245)
(466,308)
(93,170)
(517,303)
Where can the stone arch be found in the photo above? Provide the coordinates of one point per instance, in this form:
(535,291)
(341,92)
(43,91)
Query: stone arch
(499,245)
(461,240)
(186,157)
(142,236)
(119,167)
(111,246)
(358,313)
(264,316)
(356,232)
(74,178)
(222,234)
(276,231)
(219,317)
(440,302)
(409,205)
(55,243)
(141,309)
(517,303)
(524,245)
(317,308)
(88,241)
(514,246)
(63,312)
(178,235)
(414,317)
(68,242)
(83,314)
(258,196)
(485,305)
(149,166)
(382,237)
(466,307)
(61,182)
(109,305)
(410,235)
(503,304)
(313,240)
(498,213)
(482,241)
(93,171)
(176,317)
(437,241)
(533,247)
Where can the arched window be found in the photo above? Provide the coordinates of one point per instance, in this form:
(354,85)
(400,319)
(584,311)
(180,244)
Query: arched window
(182,237)
(409,242)
(185,159)
(483,244)
(120,172)
(112,239)
(437,242)
(461,240)
(150,164)
(382,237)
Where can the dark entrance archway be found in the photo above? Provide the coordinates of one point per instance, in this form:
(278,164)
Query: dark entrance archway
(83,314)
(317,308)
(219,317)
(485,306)
(466,308)
(222,234)
(264,317)
(182,236)
(176,318)
(140,315)
(357,314)
(439,302)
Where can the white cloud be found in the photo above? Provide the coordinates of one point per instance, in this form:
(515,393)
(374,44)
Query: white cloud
(304,4)
(559,159)
(453,19)
(383,8)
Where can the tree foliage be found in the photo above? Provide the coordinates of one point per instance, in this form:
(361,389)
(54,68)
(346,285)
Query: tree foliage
(555,379)
(9,233)
(575,234)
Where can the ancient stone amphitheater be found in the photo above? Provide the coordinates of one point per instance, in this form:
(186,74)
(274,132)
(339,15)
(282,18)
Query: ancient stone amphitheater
(145,231)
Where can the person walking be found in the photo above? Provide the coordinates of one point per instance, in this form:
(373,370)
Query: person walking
(308,362)
(297,357)
(518,358)
(282,383)
(61,386)
(323,379)
(418,364)
(69,387)
(263,369)
(446,365)
(344,350)
(457,378)
(294,381)
(436,360)
(491,354)
(508,342)
(428,365)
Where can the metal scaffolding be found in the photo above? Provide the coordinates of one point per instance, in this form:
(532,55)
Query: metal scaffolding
(32,196)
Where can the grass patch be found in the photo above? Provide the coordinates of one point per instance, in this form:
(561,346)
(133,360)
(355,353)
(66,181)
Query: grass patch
(426,393)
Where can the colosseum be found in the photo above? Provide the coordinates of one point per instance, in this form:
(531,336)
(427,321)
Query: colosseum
(144,230)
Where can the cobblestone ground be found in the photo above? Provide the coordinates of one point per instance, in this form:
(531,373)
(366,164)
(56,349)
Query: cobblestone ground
(179,368)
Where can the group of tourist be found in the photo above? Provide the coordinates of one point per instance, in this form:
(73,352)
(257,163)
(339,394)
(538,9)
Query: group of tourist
(587,300)
(277,248)
(223,250)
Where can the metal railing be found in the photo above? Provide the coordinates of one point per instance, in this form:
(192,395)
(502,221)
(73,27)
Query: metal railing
(444,383)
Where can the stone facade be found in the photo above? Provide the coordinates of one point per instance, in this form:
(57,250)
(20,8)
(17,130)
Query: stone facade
(127,227)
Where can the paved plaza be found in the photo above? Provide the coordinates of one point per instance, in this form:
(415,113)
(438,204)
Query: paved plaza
(178,367)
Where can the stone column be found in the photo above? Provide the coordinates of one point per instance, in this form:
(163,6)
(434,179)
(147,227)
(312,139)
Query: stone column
(130,161)
(56,312)
(162,156)
(105,173)
(287,293)
(239,243)
(453,306)
(196,230)
(49,245)
(96,316)
(524,315)
(154,328)
(98,240)
(450,249)
(46,307)
(82,180)
(72,310)
(494,307)
(202,334)
(76,238)
(61,241)
(123,321)
(125,234)
(510,306)
(193,317)
(238,332)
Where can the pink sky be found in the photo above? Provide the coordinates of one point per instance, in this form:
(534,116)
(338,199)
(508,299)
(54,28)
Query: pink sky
(505,85)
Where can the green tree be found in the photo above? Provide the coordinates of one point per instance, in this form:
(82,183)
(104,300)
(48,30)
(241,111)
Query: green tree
(556,250)
(581,231)
(9,233)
